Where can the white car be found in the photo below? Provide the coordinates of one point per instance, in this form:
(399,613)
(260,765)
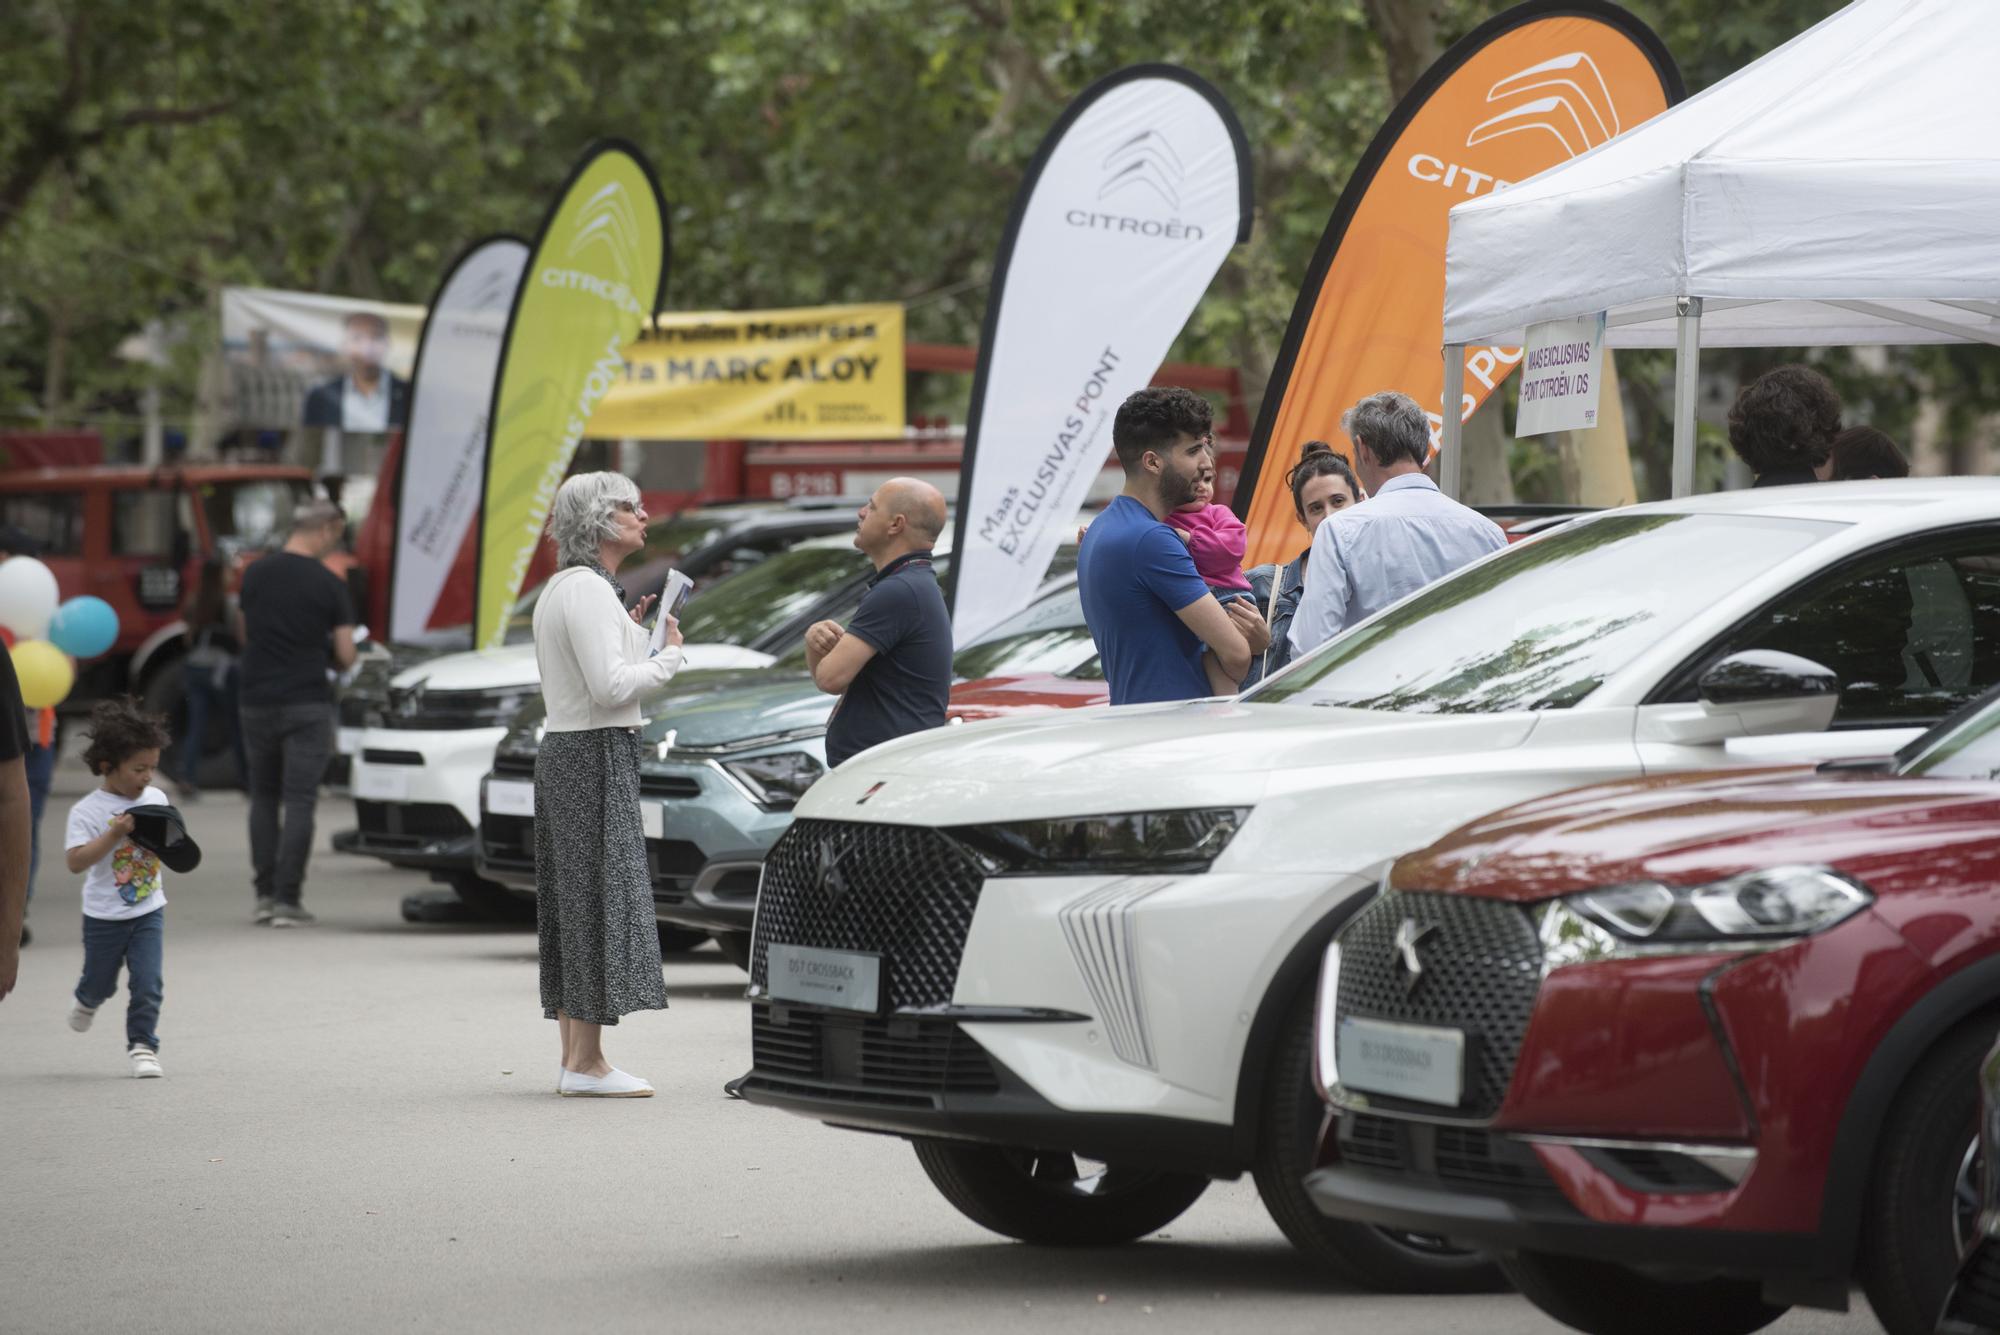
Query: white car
(1072,957)
(416,781)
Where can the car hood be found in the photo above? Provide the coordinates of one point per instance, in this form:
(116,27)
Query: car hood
(736,709)
(514,666)
(1690,828)
(1003,697)
(1135,757)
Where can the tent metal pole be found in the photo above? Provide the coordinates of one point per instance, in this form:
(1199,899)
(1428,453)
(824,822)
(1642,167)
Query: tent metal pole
(1450,460)
(1687,376)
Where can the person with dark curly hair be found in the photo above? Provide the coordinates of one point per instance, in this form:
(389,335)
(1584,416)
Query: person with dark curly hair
(1160,633)
(1783,424)
(124,886)
(1863,452)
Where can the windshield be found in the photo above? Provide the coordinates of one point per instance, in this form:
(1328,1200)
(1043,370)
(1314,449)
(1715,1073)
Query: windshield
(1964,746)
(752,603)
(1543,625)
(1049,636)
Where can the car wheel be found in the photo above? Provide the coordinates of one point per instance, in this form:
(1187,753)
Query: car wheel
(1923,1188)
(679,940)
(735,947)
(1600,1298)
(1288,1135)
(1054,1198)
(491,900)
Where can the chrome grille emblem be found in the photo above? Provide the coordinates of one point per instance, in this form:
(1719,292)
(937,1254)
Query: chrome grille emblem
(832,880)
(1410,935)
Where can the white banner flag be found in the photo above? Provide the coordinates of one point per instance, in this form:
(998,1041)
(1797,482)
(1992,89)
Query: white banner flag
(444,451)
(1129,208)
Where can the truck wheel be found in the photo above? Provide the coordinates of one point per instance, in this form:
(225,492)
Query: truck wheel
(735,947)
(679,940)
(1599,1298)
(1051,1197)
(491,900)
(1923,1188)
(1376,1258)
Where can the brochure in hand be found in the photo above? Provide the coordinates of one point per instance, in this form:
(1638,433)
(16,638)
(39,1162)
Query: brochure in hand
(672,599)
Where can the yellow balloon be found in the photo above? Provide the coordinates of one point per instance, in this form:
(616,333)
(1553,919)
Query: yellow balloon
(45,671)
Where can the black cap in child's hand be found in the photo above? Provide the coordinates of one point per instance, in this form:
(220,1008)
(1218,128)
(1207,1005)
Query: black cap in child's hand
(158,828)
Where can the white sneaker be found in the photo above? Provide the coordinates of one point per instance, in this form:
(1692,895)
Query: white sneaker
(616,1085)
(145,1064)
(80,1016)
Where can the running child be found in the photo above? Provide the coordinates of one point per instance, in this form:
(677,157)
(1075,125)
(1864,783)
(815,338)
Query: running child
(124,886)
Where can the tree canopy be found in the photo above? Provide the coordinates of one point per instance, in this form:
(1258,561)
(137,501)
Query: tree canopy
(842,150)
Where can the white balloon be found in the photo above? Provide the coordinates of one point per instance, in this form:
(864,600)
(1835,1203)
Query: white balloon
(28,597)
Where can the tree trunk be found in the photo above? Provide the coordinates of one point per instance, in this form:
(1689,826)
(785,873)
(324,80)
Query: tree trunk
(1407,30)
(57,366)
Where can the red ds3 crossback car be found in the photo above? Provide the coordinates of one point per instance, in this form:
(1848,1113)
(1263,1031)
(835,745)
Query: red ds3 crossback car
(1685,1051)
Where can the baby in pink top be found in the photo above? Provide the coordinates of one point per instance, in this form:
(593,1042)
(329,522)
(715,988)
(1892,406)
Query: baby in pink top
(1215,539)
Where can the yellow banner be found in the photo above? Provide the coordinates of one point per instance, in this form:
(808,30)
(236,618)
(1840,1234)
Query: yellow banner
(592,282)
(816,373)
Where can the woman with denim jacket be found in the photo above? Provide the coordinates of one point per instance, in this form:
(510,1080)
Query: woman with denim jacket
(1322,483)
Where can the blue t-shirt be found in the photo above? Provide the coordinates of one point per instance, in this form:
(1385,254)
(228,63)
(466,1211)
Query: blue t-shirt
(1135,576)
(906,686)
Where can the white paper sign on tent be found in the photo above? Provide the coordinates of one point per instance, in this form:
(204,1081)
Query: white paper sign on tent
(1560,375)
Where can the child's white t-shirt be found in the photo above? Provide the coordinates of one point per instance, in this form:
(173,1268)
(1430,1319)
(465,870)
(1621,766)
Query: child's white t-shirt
(129,881)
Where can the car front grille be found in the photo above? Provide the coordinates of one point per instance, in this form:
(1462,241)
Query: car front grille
(510,765)
(889,1061)
(1460,1156)
(508,841)
(1482,967)
(409,823)
(902,892)
(414,709)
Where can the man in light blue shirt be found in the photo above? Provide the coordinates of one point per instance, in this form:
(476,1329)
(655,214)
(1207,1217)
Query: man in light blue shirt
(1407,534)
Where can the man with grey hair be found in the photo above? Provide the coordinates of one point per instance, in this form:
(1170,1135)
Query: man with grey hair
(296,625)
(1406,535)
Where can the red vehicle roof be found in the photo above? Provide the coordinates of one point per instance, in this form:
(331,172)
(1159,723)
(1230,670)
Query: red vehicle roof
(1003,697)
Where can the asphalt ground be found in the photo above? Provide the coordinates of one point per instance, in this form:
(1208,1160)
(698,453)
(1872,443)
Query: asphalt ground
(358,1131)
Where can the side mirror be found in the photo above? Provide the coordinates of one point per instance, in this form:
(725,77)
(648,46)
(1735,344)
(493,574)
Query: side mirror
(1755,693)
(1770,692)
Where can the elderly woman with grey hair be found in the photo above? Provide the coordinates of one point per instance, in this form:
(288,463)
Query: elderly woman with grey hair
(600,950)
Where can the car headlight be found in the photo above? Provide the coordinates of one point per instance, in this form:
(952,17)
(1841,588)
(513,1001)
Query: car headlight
(1135,841)
(523,743)
(776,781)
(501,706)
(1775,902)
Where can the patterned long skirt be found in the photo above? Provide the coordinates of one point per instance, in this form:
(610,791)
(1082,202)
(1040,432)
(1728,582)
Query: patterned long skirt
(600,948)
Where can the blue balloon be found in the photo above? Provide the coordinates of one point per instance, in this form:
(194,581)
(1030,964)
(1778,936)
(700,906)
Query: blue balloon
(84,627)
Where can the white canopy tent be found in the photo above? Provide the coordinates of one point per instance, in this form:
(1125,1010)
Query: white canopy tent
(1844,189)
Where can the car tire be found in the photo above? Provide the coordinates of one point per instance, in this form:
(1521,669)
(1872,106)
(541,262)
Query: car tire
(491,900)
(1042,1197)
(1600,1298)
(1389,1261)
(735,947)
(1909,1251)
(679,940)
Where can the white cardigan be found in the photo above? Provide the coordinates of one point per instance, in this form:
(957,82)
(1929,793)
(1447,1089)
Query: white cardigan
(592,656)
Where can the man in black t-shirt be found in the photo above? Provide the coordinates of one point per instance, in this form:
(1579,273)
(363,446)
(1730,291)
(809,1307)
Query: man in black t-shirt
(297,627)
(891,665)
(14,824)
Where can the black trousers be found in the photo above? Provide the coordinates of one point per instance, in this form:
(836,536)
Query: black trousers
(287,747)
